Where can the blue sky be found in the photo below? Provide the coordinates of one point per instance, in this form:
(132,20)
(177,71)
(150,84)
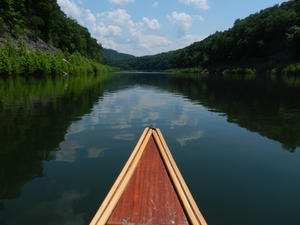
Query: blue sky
(144,27)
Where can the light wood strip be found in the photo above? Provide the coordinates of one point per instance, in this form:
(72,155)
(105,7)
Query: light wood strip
(117,189)
(189,204)
(183,183)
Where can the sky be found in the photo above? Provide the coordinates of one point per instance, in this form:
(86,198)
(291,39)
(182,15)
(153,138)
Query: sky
(146,27)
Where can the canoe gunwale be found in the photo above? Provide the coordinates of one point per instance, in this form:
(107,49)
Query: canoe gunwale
(191,209)
(110,201)
(188,203)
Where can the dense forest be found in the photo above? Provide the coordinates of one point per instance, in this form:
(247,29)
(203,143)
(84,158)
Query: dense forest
(114,58)
(271,36)
(44,19)
(266,39)
(61,45)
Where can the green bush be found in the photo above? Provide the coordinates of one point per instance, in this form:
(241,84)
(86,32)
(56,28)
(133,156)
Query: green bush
(291,74)
(240,73)
(292,69)
(17,59)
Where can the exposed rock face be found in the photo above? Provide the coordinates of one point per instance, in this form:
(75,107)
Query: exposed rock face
(33,42)
(36,43)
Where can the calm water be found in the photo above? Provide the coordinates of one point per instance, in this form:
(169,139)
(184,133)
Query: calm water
(64,140)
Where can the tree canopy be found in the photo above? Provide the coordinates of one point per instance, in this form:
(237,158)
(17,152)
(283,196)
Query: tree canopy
(270,37)
(44,19)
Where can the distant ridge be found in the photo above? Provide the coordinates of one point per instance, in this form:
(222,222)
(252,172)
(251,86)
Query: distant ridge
(264,40)
(115,58)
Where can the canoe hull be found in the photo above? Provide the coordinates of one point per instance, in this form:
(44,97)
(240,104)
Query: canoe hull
(150,189)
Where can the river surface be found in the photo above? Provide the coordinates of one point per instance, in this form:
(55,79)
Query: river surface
(64,140)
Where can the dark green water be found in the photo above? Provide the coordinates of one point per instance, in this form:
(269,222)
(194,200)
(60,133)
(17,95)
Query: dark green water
(64,140)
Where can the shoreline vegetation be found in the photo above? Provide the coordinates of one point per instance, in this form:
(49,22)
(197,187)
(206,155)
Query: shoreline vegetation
(18,59)
(289,75)
(38,38)
(266,42)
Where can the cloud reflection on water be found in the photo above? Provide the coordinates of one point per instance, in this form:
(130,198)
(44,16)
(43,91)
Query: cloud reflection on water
(120,113)
(124,137)
(56,211)
(67,152)
(189,137)
(95,152)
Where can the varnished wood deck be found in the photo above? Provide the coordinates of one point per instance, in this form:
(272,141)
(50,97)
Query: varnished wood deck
(150,189)
(149,196)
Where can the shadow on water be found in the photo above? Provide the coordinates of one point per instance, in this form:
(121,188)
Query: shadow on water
(35,115)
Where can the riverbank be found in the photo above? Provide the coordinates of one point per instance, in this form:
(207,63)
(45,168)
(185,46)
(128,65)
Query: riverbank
(289,74)
(17,59)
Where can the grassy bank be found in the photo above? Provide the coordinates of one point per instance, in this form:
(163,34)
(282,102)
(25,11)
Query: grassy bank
(17,59)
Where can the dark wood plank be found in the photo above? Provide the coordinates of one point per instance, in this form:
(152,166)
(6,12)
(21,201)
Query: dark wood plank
(149,197)
(120,223)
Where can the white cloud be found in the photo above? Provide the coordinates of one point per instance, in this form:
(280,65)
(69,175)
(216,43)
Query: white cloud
(70,8)
(109,30)
(152,24)
(116,29)
(201,4)
(108,43)
(120,1)
(150,41)
(119,16)
(182,20)
(191,38)
(90,16)
(132,34)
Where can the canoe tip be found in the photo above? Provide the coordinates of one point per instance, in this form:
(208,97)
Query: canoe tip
(152,127)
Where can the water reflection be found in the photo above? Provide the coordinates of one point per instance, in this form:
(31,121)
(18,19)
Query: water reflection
(56,211)
(189,137)
(68,150)
(271,109)
(95,152)
(75,133)
(35,115)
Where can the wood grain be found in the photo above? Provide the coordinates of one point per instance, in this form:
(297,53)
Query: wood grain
(150,189)
(149,196)
(117,189)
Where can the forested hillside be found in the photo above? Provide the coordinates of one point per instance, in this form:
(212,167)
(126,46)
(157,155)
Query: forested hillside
(114,58)
(44,19)
(266,39)
(37,38)
(272,36)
